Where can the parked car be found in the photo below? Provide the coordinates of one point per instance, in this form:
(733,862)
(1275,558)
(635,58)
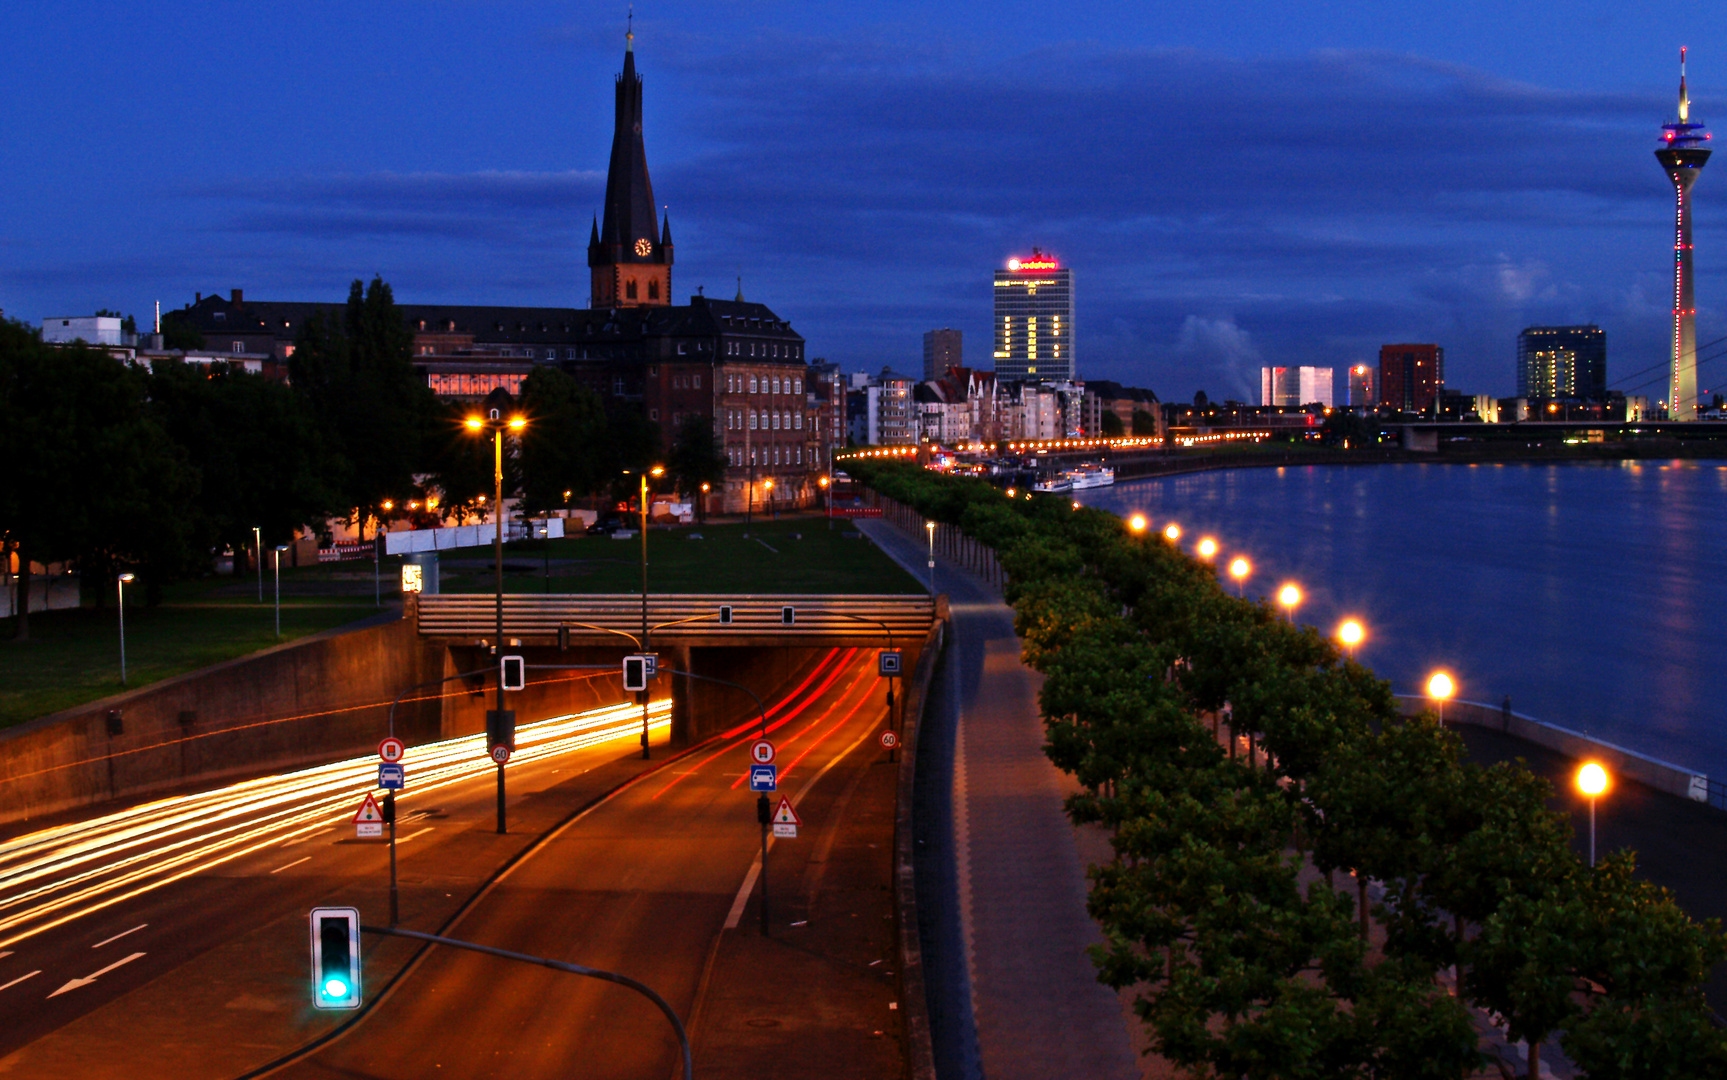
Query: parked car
(607,523)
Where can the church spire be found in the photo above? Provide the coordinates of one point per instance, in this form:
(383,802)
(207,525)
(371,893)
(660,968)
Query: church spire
(629,263)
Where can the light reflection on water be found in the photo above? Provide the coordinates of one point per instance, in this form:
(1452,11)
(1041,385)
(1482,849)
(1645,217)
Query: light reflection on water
(1579,590)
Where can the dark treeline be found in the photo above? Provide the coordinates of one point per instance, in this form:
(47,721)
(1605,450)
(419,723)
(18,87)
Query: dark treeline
(1245,768)
(113,467)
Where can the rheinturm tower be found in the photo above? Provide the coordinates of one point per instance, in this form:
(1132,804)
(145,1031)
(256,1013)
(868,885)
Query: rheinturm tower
(1683,154)
(629,254)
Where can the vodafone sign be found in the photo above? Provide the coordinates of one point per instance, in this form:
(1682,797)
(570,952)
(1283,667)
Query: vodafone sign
(1045,263)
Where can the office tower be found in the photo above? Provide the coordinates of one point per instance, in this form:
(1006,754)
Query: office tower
(1683,155)
(1361,387)
(941,350)
(1411,376)
(1292,387)
(1034,320)
(1562,362)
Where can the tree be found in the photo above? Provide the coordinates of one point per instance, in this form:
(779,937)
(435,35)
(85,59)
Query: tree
(1112,427)
(356,372)
(180,332)
(696,461)
(1144,423)
(565,445)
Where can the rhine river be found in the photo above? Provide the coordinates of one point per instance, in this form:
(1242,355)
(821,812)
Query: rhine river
(1587,593)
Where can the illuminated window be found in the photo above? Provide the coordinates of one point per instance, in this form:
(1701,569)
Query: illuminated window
(752,384)
(753,420)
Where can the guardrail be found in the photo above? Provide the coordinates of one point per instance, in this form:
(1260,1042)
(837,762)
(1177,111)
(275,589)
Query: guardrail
(690,616)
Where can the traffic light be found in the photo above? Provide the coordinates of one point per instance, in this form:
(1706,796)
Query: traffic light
(635,673)
(725,614)
(563,638)
(500,729)
(336,958)
(788,616)
(513,670)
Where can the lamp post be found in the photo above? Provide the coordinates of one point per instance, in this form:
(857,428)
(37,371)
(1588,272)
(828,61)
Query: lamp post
(495,420)
(654,471)
(120,583)
(1290,597)
(768,497)
(1239,569)
(277,576)
(1440,687)
(1172,532)
(1207,548)
(258,548)
(827,500)
(929,527)
(1592,781)
(1350,633)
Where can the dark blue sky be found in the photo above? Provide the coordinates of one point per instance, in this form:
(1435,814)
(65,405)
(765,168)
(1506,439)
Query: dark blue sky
(1242,183)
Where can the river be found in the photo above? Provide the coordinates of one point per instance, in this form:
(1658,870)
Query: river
(1581,591)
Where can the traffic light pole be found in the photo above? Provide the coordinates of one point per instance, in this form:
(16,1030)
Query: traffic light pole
(556,965)
(498,571)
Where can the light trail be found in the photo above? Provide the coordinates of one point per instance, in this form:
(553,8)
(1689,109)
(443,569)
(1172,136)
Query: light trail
(57,875)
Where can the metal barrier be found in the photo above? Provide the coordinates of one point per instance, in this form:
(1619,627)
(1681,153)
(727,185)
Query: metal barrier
(675,617)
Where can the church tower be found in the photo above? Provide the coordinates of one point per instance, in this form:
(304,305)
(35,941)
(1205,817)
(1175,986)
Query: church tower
(629,258)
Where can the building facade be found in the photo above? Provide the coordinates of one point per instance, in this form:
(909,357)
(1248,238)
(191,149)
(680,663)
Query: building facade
(1411,377)
(1562,362)
(941,350)
(1295,386)
(1034,320)
(1361,384)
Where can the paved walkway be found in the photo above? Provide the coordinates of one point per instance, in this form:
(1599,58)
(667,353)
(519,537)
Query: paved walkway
(1018,885)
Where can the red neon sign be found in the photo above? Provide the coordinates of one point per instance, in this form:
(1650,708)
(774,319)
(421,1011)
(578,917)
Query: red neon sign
(1033,264)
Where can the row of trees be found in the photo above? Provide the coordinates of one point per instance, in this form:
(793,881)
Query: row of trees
(1222,906)
(112,466)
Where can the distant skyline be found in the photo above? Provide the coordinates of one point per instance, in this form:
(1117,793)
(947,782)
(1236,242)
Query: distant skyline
(1241,186)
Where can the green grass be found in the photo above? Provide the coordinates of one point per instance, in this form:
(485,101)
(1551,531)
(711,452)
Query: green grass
(73,656)
(790,555)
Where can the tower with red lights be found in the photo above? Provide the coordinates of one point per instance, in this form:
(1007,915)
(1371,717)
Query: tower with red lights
(1683,154)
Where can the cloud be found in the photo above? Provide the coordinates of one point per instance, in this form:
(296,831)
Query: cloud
(1223,347)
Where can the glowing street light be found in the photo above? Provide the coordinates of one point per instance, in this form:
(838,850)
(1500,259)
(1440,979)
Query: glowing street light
(1207,548)
(1172,532)
(1239,569)
(1440,687)
(1592,781)
(1351,634)
(1136,523)
(1289,596)
(120,583)
(929,527)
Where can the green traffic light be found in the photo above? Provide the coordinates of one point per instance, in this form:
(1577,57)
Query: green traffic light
(335,988)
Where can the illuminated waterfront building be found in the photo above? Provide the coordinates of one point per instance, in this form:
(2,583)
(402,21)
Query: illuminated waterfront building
(1562,362)
(1683,154)
(1411,377)
(1034,320)
(1361,387)
(1293,387)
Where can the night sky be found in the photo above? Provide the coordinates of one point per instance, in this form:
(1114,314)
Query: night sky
(1233,183)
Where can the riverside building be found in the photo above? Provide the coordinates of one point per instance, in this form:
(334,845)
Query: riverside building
(1034,320)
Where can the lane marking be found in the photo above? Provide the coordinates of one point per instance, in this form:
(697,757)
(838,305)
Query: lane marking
(743,897)
(118,936)
(20,979)
(88,979)
(410,836)
(4,955)
(296,862)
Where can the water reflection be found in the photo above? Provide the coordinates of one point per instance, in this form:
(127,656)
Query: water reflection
(1581,591)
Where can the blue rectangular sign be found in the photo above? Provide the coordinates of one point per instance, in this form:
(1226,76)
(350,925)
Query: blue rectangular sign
(392,776)
(764,777)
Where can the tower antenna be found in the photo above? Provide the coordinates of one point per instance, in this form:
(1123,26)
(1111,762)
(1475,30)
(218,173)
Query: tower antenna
(630,31)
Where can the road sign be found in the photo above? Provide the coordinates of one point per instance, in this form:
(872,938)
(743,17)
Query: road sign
(762,752)
(764,777)
(392,776)
(513,672)
(392,749)
(786,820)
(370,820)
(500,753)
(888,663)
(889,739)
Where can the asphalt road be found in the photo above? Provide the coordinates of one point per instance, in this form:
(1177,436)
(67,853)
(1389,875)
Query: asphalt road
(642,884)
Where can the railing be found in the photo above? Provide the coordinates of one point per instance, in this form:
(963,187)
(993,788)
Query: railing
(474,615)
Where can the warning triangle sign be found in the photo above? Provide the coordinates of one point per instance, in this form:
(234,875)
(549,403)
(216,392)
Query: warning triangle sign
(785,815)
(369,812)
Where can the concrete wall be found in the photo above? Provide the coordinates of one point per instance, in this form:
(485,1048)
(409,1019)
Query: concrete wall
(1661,775)
(307,702)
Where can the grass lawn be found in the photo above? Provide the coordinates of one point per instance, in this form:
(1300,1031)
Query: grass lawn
(74,656)
(790,555)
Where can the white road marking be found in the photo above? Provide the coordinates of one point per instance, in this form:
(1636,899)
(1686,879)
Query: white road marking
(737,911)
(20,979)
(296,862)
(410,836)
(118,936)
(88,979)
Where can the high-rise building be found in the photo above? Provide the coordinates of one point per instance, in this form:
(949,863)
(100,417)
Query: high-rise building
(1361,381)
(1562,362)
(1683,154)
(1411,377)
(1293,387)
(941,350)
(1034,320)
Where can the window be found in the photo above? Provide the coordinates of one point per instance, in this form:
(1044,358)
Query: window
(798,419)
(653,290)
(653,414)
(630,290)
(698,380)
(800,455)
(239,347)
(797,386)
(683,348)
(753,420)
(653,371)
(618,385)
(752,384)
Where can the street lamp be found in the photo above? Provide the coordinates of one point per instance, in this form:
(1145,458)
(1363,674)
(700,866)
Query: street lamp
(121,585)
(496,421)
(827,501)
(1239,569)
(1592,781)
(277,575)
(656,470)
(1136,523)
(1207,548)
(1172,532)
(768,487)
(929,527)
(1350,633)
(1439,688)
(1289,596)
(258,547)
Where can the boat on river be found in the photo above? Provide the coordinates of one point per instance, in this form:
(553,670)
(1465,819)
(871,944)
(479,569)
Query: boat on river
(1090,475)
(1053,485)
